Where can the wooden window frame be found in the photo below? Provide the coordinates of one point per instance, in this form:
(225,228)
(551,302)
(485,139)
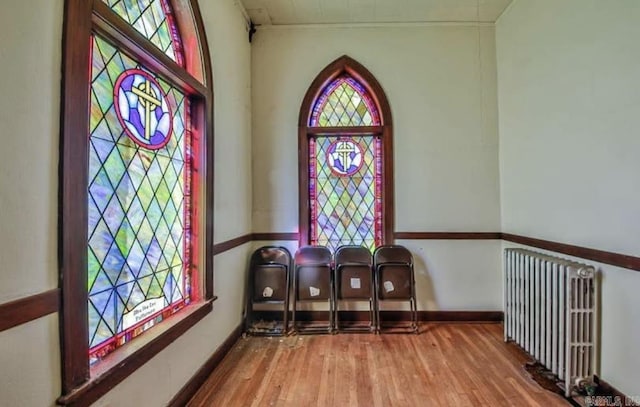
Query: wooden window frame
(346,65)
(82,384)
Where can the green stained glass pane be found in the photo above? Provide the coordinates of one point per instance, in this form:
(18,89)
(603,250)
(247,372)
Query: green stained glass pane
(94,268)
(145,233)
(115,66)
(177,258)
(101,87)
(344,102)
(124,238)
(162,234)
(135,198)
(162,194)
(155,290)
(145,193)
(153,19)
(171,214)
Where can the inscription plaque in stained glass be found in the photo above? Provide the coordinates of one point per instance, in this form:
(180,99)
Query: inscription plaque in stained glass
(138,198)
(153,19)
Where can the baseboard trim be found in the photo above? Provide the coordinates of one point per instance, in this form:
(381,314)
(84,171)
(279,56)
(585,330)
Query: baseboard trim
(27,309)
(197,380)
(391,316)
(460,316)
(607,390)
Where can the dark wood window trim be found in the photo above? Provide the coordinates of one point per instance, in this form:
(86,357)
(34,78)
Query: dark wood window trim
(347,65)
(81,19)
(118,365)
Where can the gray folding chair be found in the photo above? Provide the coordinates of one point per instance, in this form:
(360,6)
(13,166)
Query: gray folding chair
(268,283)
(354,283)
(395,281)
(313,282)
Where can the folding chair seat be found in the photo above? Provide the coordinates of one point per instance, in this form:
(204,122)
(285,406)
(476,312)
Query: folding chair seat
(268,283)
(313,282)
(354,283)
(395,281)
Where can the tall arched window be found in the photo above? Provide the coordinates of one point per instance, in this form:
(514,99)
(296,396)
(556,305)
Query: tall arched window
(346,159)
(136,186)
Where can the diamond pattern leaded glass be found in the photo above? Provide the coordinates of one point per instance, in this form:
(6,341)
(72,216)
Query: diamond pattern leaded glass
(138,248)
(344,102)
(154,20)
(345,209)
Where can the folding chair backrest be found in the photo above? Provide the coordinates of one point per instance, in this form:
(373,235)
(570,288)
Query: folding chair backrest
(313,266)
(394,272)
(392,254)
(353,254)
(313,255)
(271,255)
(269,269)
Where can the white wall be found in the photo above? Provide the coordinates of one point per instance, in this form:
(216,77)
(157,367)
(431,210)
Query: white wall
(569,103)
(441,83)
(30,58)
(29,109)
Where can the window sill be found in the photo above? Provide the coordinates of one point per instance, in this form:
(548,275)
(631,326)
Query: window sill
(116,367)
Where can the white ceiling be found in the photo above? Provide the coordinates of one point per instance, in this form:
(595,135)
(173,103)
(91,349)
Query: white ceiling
(284,12)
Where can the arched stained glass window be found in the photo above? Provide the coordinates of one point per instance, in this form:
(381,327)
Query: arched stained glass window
(138,199)
(136,189)
(343,142)
(153,19)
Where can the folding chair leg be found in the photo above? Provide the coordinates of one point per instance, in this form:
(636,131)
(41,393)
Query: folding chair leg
(414,315)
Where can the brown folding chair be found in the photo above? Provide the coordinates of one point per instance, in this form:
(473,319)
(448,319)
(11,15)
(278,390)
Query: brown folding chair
(313,282)
(354,282)
(395,281)
(268,283)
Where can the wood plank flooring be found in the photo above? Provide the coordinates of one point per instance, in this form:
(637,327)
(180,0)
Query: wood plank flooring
(445,365)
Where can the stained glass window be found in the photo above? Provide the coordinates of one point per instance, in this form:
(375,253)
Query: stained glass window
(344,188)
(345,171)
(154,20)
(138,199)
(344,102)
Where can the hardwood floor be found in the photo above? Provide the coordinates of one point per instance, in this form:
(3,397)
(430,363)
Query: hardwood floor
(446,365)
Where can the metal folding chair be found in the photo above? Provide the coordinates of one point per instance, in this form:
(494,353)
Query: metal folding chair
(353,283)
(268,283)
(313,282)
(395,281)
